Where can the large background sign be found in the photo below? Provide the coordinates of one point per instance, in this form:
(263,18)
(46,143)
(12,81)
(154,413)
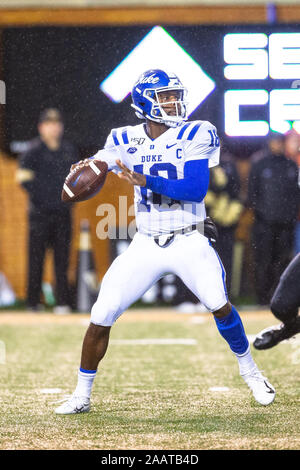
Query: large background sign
(244,79)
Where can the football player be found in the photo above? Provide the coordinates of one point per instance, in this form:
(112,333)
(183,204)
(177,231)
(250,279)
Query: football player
(284,305)
(167,160)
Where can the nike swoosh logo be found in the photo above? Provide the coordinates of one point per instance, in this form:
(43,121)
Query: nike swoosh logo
(78,410)
(169,146)
(270,389)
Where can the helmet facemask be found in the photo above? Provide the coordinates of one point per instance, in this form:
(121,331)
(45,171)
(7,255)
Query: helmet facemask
(177,108)
(158,113)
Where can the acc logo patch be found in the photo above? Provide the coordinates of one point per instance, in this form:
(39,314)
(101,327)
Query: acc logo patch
(132,150)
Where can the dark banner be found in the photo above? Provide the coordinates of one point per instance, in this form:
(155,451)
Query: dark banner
(244,79)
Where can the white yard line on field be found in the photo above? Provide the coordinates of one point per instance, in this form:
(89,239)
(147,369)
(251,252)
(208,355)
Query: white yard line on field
(155,341)
(219,389)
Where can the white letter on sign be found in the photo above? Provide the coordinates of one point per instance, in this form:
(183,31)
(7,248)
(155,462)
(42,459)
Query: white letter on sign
(247,55)
(236,98)
(284,55)
(284,107)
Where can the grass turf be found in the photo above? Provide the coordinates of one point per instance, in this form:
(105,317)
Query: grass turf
(144,396)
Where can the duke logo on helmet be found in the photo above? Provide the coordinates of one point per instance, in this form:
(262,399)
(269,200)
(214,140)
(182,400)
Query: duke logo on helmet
(146,98)
(151,79)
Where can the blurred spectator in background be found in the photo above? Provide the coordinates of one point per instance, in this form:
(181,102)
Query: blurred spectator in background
(224,207)
(292,151)
(275,146)
(42,171)
(273,194)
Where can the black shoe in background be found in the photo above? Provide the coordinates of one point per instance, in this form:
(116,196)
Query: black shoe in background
(273,335)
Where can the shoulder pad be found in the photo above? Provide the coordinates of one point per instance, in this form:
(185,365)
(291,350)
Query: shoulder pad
(189,130)
(119,136)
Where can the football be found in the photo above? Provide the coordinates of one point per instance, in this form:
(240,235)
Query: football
(84,181)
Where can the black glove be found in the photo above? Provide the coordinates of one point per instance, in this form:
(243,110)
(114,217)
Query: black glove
(210,230)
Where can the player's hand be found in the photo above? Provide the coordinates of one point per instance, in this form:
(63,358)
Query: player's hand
(130,176)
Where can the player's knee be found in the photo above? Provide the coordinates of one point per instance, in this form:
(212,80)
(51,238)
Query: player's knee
(282,309)
(98,332)
(105,313)
(278,305)
(275,307)
(223,311)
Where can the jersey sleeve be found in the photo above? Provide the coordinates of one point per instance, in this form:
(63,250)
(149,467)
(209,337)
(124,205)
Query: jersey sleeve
(203,143)
(109,154)
(110,141)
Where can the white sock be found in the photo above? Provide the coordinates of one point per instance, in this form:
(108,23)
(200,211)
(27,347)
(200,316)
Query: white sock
(246,362)
(85,383)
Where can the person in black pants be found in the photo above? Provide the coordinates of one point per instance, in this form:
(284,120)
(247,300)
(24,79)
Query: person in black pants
(273,194)
(284,305)
(42,172)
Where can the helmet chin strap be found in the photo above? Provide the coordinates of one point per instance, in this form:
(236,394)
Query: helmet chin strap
(166,122)
(172,123)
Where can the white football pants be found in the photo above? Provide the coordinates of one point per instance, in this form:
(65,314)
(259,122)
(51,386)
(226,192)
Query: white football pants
(189,256)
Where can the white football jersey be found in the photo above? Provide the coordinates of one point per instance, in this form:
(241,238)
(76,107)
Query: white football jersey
(164,156)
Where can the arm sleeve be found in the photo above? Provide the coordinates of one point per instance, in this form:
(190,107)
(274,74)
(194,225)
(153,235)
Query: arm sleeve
(192,187)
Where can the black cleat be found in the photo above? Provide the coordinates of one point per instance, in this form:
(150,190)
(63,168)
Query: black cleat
(273,335)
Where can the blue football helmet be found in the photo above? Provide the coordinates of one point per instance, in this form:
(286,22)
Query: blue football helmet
(146,99)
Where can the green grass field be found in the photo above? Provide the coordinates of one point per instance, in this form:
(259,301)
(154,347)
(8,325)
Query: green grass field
(146,396)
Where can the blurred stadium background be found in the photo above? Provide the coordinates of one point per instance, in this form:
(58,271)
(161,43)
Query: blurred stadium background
(57,53)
